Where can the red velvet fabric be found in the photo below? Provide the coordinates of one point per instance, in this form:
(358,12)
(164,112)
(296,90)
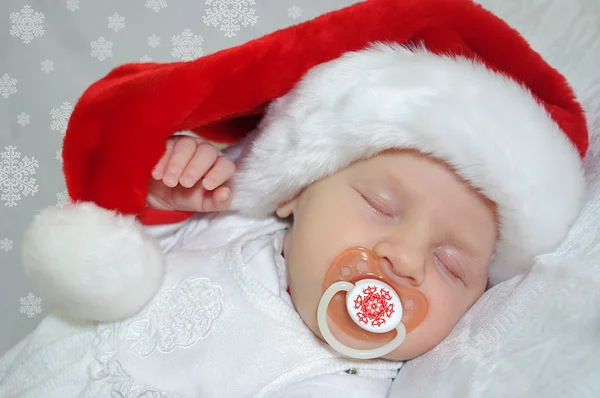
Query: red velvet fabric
(118,128)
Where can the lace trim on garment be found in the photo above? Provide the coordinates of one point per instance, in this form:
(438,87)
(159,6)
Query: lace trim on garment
(109,377)
(178,318)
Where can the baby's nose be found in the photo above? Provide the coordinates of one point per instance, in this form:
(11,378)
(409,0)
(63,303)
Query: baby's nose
(402,262)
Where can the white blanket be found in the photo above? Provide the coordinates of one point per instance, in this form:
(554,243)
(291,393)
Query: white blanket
(537,336)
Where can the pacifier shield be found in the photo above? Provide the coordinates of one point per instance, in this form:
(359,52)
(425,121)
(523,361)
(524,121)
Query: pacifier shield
(374,306)
(361,301)
(357,264)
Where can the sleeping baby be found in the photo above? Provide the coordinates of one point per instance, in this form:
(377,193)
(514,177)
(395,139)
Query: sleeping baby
(408,219)
(370,208)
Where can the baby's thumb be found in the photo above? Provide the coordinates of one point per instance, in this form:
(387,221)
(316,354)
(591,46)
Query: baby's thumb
(198,199)
(216,200)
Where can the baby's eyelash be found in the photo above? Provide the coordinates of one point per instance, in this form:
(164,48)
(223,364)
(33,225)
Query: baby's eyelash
(448,269)
(375,207)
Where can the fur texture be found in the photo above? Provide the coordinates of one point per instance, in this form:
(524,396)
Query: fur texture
(91,263)
(120,124)
(516,134)
(487,127)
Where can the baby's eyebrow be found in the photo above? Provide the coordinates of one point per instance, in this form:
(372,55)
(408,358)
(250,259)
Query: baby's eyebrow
(469,247)
(397,186)
(466,245)
(464,239)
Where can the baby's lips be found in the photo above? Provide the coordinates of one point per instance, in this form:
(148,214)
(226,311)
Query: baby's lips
(358,263)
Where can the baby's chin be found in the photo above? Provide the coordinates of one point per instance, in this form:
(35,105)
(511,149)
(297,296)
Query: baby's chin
(409,349)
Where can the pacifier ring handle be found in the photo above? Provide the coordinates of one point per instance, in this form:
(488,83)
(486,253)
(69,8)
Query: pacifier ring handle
(341,347)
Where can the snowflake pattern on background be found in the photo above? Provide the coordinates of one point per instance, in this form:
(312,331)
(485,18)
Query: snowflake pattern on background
(23,119)
(60,117)
(146,58)
(27,24)
(6,245)
(73,5)
(58,155)
(156,5)
(15,176)
(101,49)
(229,14)
(294,12)
(154,41)
(8,85)
(62,199)
(47,66)
(187,46)
(374,306)
(30,305)
(116,22)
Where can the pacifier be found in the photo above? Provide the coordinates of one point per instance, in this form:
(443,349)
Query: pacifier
(362,302)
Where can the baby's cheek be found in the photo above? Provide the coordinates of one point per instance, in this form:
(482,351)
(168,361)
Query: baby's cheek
(446,307)
(306,307)
(304,283)
(424,338)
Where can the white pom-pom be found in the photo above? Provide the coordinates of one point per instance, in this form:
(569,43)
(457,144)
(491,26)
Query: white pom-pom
(91,263)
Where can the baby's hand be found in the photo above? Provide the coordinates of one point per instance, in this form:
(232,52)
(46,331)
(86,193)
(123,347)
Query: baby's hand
(189,177)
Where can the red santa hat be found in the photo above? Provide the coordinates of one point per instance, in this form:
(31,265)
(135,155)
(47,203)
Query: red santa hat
(444,77)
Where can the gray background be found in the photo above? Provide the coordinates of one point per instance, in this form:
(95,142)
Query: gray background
(48,58)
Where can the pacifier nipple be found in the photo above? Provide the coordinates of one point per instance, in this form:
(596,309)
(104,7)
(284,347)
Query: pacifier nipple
(364,304)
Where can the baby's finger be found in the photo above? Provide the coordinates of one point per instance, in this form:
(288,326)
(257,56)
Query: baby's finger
(206,154)
(183,151)
(159,169)
(221,198)
(221,171)
(217,200)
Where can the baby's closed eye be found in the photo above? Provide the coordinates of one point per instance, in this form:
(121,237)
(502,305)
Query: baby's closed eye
(380,202)
(448,259)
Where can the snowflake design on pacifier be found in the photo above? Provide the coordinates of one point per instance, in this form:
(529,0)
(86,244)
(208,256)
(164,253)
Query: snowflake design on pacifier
(374,306)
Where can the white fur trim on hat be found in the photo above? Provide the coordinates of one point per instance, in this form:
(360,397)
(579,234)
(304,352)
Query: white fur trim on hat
(485,125)
(91,263)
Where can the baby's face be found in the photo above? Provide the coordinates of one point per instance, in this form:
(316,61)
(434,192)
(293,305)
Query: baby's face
(438,234)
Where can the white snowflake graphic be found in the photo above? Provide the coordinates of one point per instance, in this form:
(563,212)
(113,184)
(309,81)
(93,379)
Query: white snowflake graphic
(102,49)
(294,12)
(62,199)
(146,58)
(59,155)
(23,119)
(154,41)
(187,46)
(6,245)
(30,305)
(116,22)
(73,5)
(156,5)
(15,176)
(8,85)
(47,66)
(60,117)
(27,24)
(229,14)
